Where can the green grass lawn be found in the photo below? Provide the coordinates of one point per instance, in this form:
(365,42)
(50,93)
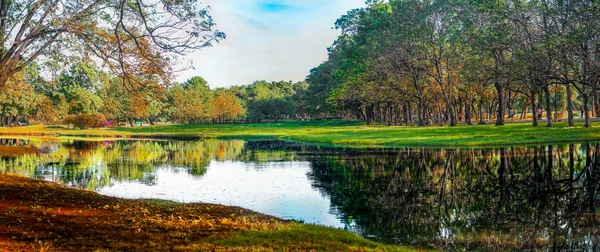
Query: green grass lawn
(301,237)
(349,133)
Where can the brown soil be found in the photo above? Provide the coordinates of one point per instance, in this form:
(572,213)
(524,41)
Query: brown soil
(17,150)
(42,216)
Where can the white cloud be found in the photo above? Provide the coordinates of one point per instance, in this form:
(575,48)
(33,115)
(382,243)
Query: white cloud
(282,44)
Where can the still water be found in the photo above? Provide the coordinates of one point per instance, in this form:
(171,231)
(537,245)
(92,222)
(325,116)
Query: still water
(505,198)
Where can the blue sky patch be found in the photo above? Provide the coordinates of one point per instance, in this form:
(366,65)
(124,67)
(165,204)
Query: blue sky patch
(274,7)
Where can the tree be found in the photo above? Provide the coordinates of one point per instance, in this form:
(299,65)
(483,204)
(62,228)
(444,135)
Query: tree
(129,37)
(191,101)
(271,100)
(581,43)
(120,104)
(78,87)
(225,105)
(492,34)
(319,90)
(443,56)
(301,108)
(441,26)
(17,100)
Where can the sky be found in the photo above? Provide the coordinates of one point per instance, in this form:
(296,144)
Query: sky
(267,40)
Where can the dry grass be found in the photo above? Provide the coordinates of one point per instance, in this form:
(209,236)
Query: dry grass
(42,216)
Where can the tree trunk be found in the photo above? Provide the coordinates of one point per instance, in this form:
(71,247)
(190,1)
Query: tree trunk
(501,104)
(489,111)
(596,104)
(570,106)
(450,111)
(409,120)
(467,114)
(534,109)
(389,114)
(586,111)
(421,111)
(2,118)
(399,114)
(130,122)
(368,111)
(548,106)
(481,116)
(396,114)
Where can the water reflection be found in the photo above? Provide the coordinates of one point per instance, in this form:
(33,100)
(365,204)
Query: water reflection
(483,199)
(212,171)
(96,164)
(541,197)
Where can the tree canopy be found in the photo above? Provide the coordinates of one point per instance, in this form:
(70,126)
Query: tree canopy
(434,61)
(129,38)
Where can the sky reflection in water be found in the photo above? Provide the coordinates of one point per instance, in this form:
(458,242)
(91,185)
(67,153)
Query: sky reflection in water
(275,188)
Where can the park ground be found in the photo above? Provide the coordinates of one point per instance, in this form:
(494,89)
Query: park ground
(37,215)
(342,133)
(43,216)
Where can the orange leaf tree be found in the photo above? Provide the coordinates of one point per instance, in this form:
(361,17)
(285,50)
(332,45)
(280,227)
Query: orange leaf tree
(130,37)
(225,105)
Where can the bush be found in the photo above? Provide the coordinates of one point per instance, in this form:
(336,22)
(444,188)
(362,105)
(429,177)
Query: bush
(107,124)
(85,121)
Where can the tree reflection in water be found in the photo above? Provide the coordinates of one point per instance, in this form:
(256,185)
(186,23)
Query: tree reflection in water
(473,199)
(96,164)
(508,198)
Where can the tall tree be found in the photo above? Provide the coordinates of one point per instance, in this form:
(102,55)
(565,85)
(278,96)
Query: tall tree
(130,37)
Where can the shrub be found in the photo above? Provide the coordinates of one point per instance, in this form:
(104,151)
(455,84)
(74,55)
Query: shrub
(85,121)
(107,124)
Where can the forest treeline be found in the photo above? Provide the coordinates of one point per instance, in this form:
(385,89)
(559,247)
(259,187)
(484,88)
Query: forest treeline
(440,61)
(86,96)
(402,62)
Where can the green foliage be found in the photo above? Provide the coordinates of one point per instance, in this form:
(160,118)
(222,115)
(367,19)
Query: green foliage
(434,57)
(406,62)
(198,88)
(558,98)
(319,90)
(191,101)
(77,88)
(269,100)
(87,89)
(18,99)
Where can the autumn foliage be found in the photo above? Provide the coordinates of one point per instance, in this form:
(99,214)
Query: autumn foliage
(85,121)
(37,215)
(226,106)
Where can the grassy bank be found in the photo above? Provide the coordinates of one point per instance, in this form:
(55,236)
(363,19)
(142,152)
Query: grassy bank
(347,133)
(42,216)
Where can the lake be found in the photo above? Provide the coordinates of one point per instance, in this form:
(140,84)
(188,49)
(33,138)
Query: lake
(538,197)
